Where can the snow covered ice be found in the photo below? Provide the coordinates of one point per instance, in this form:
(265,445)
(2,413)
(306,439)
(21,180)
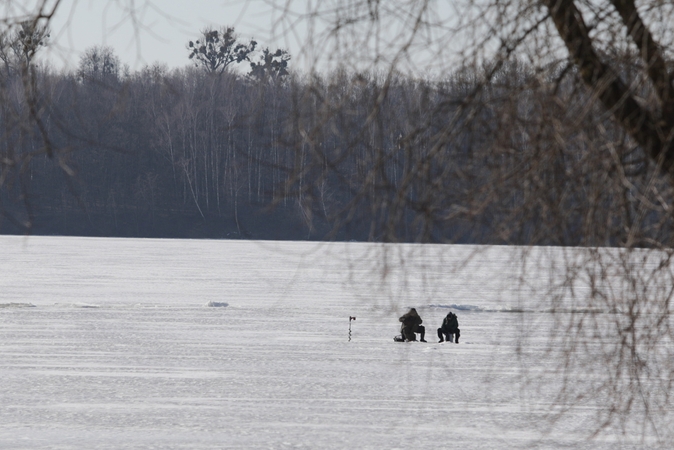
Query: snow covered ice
(172,344)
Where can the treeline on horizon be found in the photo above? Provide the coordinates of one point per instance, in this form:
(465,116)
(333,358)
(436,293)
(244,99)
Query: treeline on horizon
(186,152)
(192,153)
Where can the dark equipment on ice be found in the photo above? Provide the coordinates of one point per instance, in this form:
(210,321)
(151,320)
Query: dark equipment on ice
(350,319)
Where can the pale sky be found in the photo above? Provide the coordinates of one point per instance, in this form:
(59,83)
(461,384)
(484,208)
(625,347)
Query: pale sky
(147,31)
(143,32)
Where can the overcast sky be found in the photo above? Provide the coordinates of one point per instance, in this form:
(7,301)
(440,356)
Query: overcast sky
(143,32)
(156,31)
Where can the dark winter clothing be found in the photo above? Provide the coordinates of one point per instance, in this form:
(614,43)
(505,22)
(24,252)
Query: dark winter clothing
(411,324)
(449,328)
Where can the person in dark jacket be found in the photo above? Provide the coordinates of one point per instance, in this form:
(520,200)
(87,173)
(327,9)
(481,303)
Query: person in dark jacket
(449,328)
(411,324)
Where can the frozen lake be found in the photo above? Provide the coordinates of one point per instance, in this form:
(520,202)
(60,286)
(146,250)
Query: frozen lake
(110,343)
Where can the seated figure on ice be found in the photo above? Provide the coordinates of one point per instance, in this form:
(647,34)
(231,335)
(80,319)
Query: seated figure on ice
(449,328)
(411,324)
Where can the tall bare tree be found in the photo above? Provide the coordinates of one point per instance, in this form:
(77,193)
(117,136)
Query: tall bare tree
(217,49)
(270,65)
(25,133)
(99,63)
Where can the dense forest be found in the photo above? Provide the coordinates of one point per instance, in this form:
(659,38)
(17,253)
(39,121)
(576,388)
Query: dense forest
(203,151)
(209,151)
(192,152)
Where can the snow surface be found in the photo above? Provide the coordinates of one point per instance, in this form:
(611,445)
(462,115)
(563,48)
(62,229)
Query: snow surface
(196,344)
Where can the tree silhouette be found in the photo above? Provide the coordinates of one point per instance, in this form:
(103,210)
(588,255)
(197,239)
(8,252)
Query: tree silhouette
(274,65)
(30,38)
(217,49)
(98,63)
(558,131)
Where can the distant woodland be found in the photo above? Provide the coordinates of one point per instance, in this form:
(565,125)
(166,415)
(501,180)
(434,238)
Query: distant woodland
(199,152)
(202,151)
(484,155)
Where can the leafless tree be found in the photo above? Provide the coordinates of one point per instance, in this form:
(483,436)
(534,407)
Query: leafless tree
(274,65)
(217,49)
(541,123)
(99,64)
(25,132)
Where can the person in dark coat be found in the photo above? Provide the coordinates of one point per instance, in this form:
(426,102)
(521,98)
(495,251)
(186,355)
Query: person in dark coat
(449,328)
(411,324)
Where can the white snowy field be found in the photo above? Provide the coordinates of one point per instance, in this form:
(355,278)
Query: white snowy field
(111,343)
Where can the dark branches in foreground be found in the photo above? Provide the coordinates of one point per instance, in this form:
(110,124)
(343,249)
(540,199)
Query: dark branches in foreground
(550,124)
(651,126)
